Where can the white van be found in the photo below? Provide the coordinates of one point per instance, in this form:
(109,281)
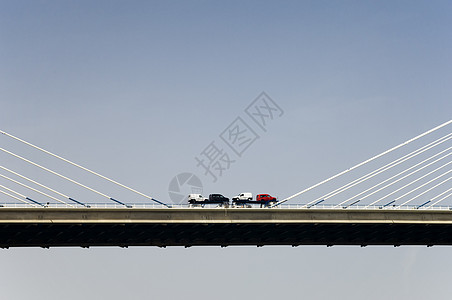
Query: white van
(243,196)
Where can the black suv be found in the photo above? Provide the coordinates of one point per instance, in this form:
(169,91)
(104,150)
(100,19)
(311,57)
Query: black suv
(218,198)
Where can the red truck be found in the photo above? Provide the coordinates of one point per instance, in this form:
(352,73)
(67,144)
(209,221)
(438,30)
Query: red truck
(265,198)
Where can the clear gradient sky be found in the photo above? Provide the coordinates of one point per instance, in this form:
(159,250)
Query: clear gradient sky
(137,89)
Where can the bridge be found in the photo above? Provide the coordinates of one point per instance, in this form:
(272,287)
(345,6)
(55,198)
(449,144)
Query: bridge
(403,207)
(85,227)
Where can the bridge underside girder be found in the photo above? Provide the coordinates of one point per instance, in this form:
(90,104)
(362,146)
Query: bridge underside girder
(162,235)
(50,227)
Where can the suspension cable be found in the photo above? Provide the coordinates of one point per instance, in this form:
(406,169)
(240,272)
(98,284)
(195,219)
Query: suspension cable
(35,182)
(364,162)
(62,176)
(401,178)
(413,190)
(81,167)
(13,191)
(410,183)
(46,187)
(17,198)
(383,169)
(426,191)
(35,190)
(441,198)
(23,196)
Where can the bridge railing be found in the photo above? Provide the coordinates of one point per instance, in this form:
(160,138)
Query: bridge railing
(283,206)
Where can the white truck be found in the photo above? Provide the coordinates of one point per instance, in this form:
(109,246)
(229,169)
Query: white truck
(198,199)
(193,198)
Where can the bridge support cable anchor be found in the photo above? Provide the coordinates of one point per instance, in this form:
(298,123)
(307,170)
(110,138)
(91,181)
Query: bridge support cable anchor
(423,204)
(36,202)
(83,168)
(314,204)
(119,202)
(351,204)
(80,203)
(387,204)
(364,162)
(160,202)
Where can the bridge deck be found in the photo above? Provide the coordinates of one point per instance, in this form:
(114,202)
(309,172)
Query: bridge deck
(51,227)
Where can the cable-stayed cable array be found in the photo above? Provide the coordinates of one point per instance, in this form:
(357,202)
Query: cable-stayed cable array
(400,189)
(386,180)
(66,178)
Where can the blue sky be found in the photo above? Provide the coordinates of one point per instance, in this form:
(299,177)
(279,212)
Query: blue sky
(136,89)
